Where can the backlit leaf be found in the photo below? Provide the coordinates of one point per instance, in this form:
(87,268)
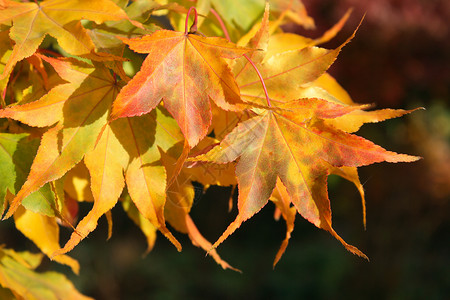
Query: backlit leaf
(84,114)
(296,146)
(185,70)
(32,22)
(44,232)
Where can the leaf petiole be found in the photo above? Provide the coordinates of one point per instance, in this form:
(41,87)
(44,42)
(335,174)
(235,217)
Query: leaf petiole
(193,28)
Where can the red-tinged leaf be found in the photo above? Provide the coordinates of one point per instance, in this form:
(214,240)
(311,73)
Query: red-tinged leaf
(44,232)
(33,21)
(38,65)
(282,201)
(184,71)
(65,144)
(297,149)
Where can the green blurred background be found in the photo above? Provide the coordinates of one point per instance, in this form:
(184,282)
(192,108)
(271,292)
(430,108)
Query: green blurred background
(399,59)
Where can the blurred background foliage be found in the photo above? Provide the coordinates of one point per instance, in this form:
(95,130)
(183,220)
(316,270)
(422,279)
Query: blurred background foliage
(399,59)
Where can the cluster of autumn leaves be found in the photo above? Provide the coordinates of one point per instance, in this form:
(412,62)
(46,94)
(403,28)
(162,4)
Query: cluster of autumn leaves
(261,113)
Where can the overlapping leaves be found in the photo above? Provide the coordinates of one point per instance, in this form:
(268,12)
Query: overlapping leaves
(281,123)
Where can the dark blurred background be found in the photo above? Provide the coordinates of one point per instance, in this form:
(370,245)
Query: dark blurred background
(399,59)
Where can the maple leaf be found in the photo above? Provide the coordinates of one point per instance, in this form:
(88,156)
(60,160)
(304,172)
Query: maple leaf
(48,110)
(143,223)
(44,232)
(130,146)
(5,53)
(17,273)
(294,144)
(184,70)
(311,81)
(81,106)
(16,153)
(31,22)
(351,174)
(280,197)
(283,124)
(286,56)
(81,116)
(180,197)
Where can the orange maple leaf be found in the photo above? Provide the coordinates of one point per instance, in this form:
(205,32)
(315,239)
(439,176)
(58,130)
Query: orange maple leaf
(184,70)
(294,144)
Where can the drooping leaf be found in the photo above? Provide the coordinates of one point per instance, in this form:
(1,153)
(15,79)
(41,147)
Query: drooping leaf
(180,197)
(31,22)
(185,70)
(82,116)
(127,151)
(282,201)
(145,175)
(144,224)
(105,164)
(44,232)
(295,145)
(16,154)
(18,275)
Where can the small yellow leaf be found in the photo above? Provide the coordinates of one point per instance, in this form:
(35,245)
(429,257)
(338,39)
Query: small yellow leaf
(44,232)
